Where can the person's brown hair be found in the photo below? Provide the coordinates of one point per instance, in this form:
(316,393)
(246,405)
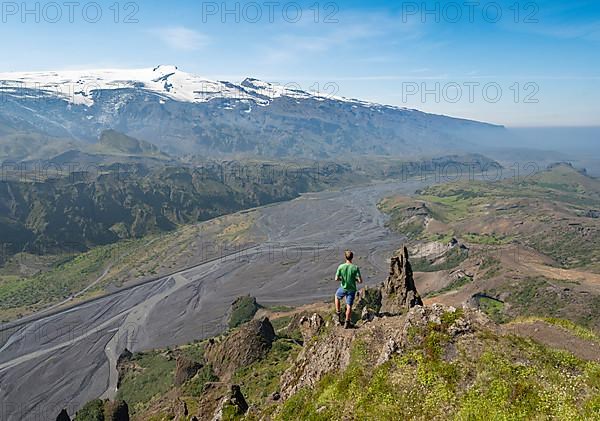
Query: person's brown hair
(348,255)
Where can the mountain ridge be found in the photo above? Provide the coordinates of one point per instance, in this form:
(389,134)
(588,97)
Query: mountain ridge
(186,114)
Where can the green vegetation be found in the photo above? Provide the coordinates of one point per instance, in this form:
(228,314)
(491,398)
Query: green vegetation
(74,227)
(259,380)
(546,211)
(243,310)
(92,411)
(549,299)
(195,386)
(449,208)
(370,299)
(153,376)
(487,239)
(426,384)
(115,143)
(281,323)
(78,211)
(490,266)
(438,375)
(280,309)
(493,308)
(26,295)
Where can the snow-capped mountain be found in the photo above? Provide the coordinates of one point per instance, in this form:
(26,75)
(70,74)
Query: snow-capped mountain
(169,82)
(184,113)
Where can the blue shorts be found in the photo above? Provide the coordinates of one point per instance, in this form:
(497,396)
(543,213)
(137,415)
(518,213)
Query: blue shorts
(341,293)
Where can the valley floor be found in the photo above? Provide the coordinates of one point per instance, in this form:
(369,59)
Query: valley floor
(74,351)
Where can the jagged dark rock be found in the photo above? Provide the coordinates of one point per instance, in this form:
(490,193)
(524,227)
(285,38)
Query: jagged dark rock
(63,416)
(369,301)
(185,370)
(367,315)
(237,399)
(241,348)
(116,411)
(232,405)
(125,355)
(399,293)
(184,408)
(310,326)
(317,358)
(123,365)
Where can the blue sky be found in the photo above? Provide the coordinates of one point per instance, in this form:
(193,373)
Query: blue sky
(508,62)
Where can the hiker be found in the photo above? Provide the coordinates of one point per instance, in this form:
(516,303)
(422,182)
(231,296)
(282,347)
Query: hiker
(347,274)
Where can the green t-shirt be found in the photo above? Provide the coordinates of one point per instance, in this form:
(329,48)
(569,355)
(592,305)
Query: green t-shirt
(348,273)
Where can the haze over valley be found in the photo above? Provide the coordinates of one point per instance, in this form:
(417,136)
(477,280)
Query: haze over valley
(169,241)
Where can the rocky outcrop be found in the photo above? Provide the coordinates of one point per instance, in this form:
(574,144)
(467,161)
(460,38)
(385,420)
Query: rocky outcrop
(369,302)
(243,310)
(250,343)
(63,416)
(310,326)
(185,369)
(399,293)
(220,401)
(124,365)
(116,411)
(381,339)
(328,354)
(232,405)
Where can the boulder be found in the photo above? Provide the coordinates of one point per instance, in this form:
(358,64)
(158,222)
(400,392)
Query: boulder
(249,344)
(328,354)
(185,369)
(369,301)
(116,411)
(124,365)
(367,315)
(232,405)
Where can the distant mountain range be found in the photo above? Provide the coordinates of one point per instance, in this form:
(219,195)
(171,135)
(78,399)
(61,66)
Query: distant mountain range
(47,113)
(83,210)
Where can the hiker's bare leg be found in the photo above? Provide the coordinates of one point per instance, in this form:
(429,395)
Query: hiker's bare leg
(348,312)
(337,305)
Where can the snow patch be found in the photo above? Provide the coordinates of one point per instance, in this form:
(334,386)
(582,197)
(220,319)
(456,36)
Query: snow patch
(79,86)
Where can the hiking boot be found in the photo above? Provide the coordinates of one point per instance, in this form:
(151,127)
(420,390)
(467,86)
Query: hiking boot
(348,325)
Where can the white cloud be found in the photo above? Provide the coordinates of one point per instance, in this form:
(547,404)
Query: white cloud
(181,38)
